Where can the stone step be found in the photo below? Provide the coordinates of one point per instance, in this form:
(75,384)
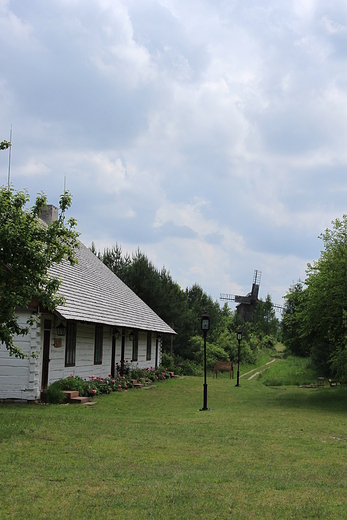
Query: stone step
(79,400)
(89,403)
(70,394)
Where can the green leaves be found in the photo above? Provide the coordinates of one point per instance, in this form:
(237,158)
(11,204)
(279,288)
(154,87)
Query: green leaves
(28,248)
(314,319)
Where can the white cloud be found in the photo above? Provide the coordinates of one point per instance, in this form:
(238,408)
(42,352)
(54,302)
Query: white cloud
(210,134)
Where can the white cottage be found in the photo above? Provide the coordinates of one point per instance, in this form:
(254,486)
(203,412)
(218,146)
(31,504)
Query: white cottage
(102,323)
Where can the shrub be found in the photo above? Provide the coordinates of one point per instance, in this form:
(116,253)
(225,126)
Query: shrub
(191,368)
(268,342)
(55,394)
(167,361)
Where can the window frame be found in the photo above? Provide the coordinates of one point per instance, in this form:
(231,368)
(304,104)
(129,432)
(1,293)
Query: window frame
(149,346)
(98,344)
(70,344)
(135,349)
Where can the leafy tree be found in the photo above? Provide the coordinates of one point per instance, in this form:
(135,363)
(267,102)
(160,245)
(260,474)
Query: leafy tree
(264,319)
(315,320)
(4,145)
(28,248)
(294,332)
(326,283)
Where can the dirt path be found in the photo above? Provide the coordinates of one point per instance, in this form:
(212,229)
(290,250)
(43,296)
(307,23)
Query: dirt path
(257,370)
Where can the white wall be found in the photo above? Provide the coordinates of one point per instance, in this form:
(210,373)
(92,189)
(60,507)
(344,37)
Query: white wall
(21,378)
(84,362)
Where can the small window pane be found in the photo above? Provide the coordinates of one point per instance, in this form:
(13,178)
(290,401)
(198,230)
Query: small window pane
(70,351)
(149,346)
(98,345)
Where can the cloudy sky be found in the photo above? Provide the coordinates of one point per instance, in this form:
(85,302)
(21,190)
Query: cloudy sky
(212,134)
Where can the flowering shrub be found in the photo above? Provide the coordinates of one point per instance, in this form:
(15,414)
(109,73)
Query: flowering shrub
(96,385)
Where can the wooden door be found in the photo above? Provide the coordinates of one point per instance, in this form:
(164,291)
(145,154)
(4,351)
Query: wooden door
(113,356)
(45,358)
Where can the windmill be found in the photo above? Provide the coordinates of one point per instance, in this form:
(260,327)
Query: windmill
(246,304)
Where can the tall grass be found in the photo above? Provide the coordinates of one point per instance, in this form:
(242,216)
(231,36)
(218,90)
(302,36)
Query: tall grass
(289,371)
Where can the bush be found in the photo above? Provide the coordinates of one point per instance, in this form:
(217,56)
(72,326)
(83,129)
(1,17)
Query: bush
(191,368)
(55,394)
(268,342)
(167,361)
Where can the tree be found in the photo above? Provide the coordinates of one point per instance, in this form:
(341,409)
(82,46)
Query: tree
(28,248)
(4,145)
(294,333)
(315,319)
(264,318)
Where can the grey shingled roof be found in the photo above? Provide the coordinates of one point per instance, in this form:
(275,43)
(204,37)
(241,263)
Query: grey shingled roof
(94,294)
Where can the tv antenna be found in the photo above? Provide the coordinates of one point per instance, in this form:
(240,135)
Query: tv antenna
(9,160)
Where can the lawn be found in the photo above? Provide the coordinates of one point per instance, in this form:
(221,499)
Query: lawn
(261,452)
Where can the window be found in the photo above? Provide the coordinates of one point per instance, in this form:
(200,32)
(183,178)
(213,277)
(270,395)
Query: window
(98,345)
(135,345)
(149,346)
(70,351)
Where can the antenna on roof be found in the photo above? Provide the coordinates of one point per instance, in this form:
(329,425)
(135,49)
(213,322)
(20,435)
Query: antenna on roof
(9,160)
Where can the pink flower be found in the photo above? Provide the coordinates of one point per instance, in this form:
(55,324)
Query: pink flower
(109,375)
(94,392)
(119,386)
(85,379)
(106,381)
(113,381)
(125,390)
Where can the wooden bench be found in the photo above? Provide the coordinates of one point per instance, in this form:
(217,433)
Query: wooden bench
(333,382)
(223,366)
(320,381)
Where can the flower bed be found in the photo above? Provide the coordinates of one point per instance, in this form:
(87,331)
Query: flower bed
(96,385)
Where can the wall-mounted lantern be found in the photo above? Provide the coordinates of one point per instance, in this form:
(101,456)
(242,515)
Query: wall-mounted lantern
(115,333)
(60,330)
(131,336)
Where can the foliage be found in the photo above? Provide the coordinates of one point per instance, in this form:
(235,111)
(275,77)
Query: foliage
(315,321)
(4,145)
(28,248)
(182,309)
(268,342)
(293,330)
(264,319)
(96,385)
(55,394)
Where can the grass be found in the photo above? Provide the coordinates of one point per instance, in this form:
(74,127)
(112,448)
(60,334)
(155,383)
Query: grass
(289,371)
(261,452)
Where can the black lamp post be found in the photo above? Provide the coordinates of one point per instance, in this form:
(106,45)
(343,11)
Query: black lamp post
(239,337)
(205,326)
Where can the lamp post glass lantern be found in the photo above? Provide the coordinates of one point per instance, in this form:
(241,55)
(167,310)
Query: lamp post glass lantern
(239,337)
(205,326)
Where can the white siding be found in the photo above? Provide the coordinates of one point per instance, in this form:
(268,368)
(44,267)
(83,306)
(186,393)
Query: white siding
(21,378)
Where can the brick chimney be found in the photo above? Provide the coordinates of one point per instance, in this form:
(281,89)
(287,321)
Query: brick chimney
(49,213)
